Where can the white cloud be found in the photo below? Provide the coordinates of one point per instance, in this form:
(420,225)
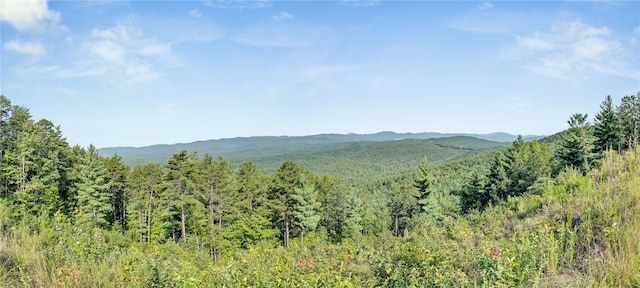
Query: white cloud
(155,50)
(573,50)
(34,48)
(117,33)
(637,31)
(535,42)
(579,29)
(485,5)
(238,4)
(123,51)
(195,13)
(359,3)
(282,16)
(264,36)
(106,50)
(28,15)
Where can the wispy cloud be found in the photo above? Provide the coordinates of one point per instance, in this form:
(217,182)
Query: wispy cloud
(238,4)
(125,51)
(359,3)
(485,5)
(574,50)
(279,37)
(567,50)
(121,51)
(282,16)
(28,15)
(33,48)
(195,13)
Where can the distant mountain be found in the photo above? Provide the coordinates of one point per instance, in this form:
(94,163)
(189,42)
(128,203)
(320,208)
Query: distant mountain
(262,147)
(368,159)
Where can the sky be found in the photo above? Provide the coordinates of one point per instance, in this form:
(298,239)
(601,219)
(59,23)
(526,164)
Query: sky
(137,73)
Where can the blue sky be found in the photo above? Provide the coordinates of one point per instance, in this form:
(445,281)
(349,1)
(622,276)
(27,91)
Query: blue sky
(135,73)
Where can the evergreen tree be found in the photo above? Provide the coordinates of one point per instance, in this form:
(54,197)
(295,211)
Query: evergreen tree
(473,195)
(526,162)
(116,179)
(577,147)
(287,179)
(222,203)
(305,210)
(331,195)
(254,210)
(629,120)
(353,220)
(424,182)
(94,201)
(498,181)
(5,114)
(180,192)
(402,204)
(606,127)
(144,184)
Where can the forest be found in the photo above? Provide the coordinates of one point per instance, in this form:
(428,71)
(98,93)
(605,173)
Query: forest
(561,211)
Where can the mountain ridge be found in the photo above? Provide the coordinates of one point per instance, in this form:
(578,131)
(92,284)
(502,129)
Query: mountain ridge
(382,136)
(259,147)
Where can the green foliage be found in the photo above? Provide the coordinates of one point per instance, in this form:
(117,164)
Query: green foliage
(577,148)
(180,193)
(70,218)
(305,210)
(288,178)
(94,200)
(607,127)
(628,113)
(424,182)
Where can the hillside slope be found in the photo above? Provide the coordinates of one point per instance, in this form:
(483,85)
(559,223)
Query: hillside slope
(244,148)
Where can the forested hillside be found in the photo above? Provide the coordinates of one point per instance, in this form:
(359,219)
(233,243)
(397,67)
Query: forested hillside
(251,148)
(560,212)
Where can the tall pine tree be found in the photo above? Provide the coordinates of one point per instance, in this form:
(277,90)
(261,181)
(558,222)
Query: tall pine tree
(287,179)
(94,200)
(180,192)
(606,127)
(305,210)
(577,147)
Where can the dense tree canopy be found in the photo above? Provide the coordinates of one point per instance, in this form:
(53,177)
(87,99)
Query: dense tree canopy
(520,216)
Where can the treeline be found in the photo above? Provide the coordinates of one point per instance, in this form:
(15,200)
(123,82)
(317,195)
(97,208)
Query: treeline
(227,207)
(87,206)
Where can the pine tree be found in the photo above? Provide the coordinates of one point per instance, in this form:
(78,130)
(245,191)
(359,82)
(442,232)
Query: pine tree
(287,179)
(331,195)
(526,163)
(606,127)
(221,203)
(498,181)
(629,121)
(577,147)
(180,192)
(305,210)
(94,201)
(402,204)
(116,179)
(254,211)
(353,220)
(473,194)
(144,183)
(424,182)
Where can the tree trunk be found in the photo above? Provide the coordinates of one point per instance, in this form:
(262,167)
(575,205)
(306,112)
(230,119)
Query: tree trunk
(183,225)
(149,206)
(286,229)
(212,224)
(302,239)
